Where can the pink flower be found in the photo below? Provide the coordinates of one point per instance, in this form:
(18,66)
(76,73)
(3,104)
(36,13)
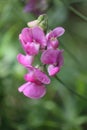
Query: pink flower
(52,41)
(37,76)
(32,40)
(33,90)
(36,6)
(54,59)
(25,60)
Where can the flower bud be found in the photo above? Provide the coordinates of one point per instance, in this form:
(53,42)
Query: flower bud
(32,23)
(42,22)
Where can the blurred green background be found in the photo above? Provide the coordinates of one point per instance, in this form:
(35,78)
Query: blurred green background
(60,109)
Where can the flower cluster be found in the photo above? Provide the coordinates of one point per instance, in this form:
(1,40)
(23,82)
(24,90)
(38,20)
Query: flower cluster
(35,41)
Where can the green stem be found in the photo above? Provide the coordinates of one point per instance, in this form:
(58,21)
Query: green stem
(70,89)
(78,13)
(73,56)
(70,53)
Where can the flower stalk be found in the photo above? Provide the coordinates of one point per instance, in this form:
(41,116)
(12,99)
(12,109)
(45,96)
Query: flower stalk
(70,89)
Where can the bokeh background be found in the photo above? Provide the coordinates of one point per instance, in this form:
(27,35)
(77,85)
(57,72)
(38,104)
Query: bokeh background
(61,108)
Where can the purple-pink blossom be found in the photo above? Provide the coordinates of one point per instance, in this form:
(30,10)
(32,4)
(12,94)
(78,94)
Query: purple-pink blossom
(32,39)
(33,90)
(36,6)
(54,59)
(37,76)
(51,37)
(35,86)
(35,41)
(25,60)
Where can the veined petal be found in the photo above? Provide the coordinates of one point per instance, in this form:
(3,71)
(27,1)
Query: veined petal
(26,35)
(34,91)
(53,44)
(49,56)
(29,77)
(57,32)
(22,87)
(25,60)
(37,76)
(52,70)
(39,36)
(41,76)
(32,48)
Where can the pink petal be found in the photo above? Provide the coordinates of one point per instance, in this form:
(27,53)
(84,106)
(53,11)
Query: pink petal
(30,77)
(52,70)
(39,36)
(26,35)
(60,60)
(32,48)
(37,76)
(53,44)
(57,32)
(49,56)
(41,76)
(34,91)
(21,39)
(25,60)
(21,88)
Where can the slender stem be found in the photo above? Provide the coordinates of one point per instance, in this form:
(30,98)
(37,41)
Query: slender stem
(70,89)
(73,56)
(70,53)
(78,13)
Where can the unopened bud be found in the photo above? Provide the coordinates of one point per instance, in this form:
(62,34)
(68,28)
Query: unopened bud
(32,23)
(42,22)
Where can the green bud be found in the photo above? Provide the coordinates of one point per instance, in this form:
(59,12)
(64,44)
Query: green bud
(42,21)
